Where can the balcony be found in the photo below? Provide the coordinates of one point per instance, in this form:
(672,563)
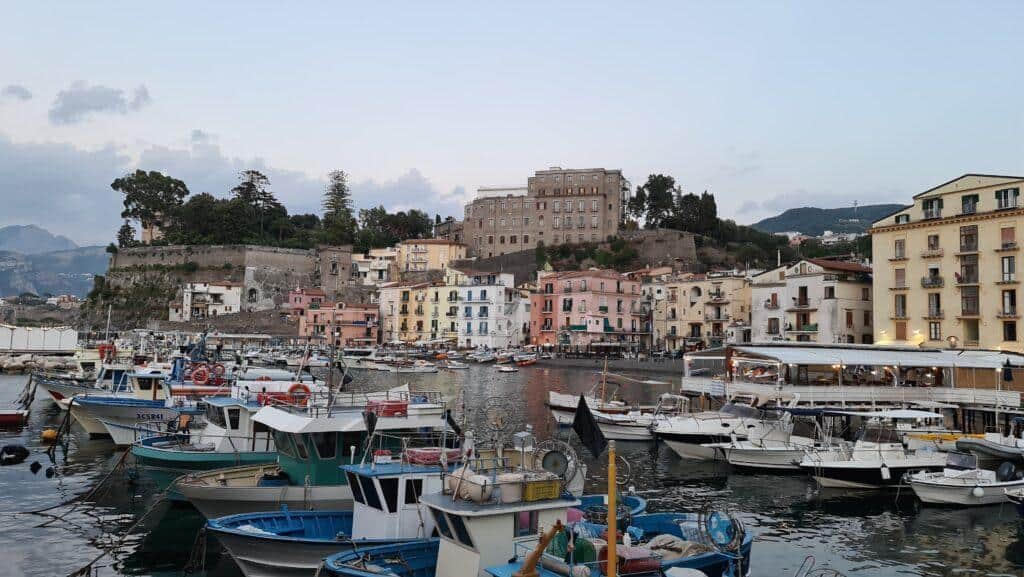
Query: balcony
(771,306)
(1008,313)
(966,280)
(718,317)
(932,282)
(1007,278)
(897,257)
(1006,204)
(717,297)
(577,327)
(968,248)
(801,305)
(932,213)
(932,253)
(1007,247)
(899,287)
(602,308)
(805,328)
(403,311)
(969,313)
(935,314)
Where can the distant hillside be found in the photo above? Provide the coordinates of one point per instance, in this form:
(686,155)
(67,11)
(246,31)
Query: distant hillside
(56,272)
(815,221)
(31,239)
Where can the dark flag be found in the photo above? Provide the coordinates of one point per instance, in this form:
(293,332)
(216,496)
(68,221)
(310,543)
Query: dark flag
(586,427)
(370,418)
(451,423)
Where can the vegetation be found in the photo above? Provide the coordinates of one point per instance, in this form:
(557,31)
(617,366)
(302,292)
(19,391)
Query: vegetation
(253,215)
(617,254)
(815,221)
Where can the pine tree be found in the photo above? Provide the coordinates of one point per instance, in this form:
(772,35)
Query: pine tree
(339,222)
(126,236)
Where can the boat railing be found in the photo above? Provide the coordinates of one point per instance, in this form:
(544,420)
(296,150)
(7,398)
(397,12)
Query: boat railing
(488,481)
(400,447)
(568,565)
(325,403)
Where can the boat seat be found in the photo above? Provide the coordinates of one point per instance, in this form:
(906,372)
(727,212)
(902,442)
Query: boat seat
(293,528)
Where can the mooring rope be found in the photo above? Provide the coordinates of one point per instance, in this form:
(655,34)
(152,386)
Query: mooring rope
(88,494)
(86,569)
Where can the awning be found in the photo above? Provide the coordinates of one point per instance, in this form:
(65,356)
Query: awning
(874,356)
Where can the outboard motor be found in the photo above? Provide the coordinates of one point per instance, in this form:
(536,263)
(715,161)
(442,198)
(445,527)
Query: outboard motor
(1006,471)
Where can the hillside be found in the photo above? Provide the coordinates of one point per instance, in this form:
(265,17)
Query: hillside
(31,239)
(815,221)
(56,272)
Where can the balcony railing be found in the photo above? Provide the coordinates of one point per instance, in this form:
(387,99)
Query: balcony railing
(968,279)
(932,253)
(935,314)
(1007,246)
(969,208)
(1007,313)
(968,247)
(932,281)
(1008,277)
(930,213)
(969,312)
(769,305)
(1007,204)
(804,328)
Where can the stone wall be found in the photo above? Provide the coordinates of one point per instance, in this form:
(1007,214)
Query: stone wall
(663,247)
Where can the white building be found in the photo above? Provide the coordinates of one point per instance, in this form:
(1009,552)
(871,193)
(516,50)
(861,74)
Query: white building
(813,300)
(201,300)
(492,312)
(375,267)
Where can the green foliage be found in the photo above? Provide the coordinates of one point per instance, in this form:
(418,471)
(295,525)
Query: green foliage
(815,221)
(149,196)
(379,228)
(540,254)
(111,248)
(126,236)
(660,192)
(339,224)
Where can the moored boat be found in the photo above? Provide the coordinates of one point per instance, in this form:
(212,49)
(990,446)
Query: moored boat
(877,460)
(962,483)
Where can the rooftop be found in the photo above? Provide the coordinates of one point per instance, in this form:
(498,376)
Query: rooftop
(840,265)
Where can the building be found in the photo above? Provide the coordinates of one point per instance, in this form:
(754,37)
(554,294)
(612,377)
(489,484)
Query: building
(334,265)
(423,254)
(201,300)
(302,299)
(948,276)
(823,301)
(449,229)
(404,312)
(587,309)
(492,313)
(701,311)
(767,315)
(378,266)
(557,206)
(350,324)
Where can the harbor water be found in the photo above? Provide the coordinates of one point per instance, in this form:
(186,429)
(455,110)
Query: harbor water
(859,534)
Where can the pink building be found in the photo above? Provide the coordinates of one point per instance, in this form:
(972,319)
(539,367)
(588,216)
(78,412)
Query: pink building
(353,325)
(301,300)
(587,308)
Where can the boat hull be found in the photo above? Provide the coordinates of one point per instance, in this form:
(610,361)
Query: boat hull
(624,432)
(234,491)
(776,460)
(867,477)
(693,447)
(261,557)
(963,494)
(990,454)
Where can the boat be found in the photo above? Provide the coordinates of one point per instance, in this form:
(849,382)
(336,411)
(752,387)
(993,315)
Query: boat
(596,506)
(778,448)
(13,417)
(503,357)
(507,369)
(563,406)
(417,366)
(525,359)
(699,436)
(415,559)
(636,425)
(385,510)
(111,378)
(962,483)
(313,441)
(455,365)
(1016,496)
(877,460)
(147,400)
(994,447)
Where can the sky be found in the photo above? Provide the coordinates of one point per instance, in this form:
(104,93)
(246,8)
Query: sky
(768,105)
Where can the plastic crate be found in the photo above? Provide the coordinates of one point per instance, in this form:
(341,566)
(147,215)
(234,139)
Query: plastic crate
(541,490)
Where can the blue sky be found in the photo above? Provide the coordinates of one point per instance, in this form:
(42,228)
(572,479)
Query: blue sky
(768,105)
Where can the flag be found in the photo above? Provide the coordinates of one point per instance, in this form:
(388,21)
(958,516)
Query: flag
(370,418)
(451,423)
(586,427)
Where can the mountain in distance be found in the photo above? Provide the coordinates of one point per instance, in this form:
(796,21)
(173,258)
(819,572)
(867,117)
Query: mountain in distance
(31,239)
(815,221)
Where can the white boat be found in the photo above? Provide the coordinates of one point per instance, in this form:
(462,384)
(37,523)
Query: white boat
(563,406)
(636,425)
(455,365)
(878,460)
(699,436)
(417,366)
(507,369)
(961,482)
(778,448)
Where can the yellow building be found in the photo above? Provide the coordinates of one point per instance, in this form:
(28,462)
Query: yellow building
(424,254)
(702,311)
(946,266)
(404,312)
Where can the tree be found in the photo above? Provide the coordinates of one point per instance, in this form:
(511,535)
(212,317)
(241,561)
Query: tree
(151,197)
(437,219)
(339,222)
(125,236)
(254,192)
(659,190)
(637,205)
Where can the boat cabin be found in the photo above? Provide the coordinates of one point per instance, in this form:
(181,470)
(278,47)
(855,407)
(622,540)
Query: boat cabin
(231,427)
(386,499)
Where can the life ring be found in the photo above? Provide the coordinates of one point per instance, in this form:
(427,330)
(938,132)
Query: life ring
(219,370)
(299,393)
(201,375)
(263,378)
(108,352)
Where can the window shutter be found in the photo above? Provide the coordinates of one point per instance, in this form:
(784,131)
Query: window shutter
(997,194)
(1016,192)
(940,204)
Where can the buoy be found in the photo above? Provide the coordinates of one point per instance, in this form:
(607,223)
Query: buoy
(13,454)
(978,492)
(34,467)
(49,472)
(49,435)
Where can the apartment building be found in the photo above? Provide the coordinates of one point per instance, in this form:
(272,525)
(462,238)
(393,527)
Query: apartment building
(378,266)
(767,313)
(425,254)
(340,324)
(404,314)
(587,308)
(825,301)
(492,313)
(557,206)
(702,311)
(201,300)
(946,266)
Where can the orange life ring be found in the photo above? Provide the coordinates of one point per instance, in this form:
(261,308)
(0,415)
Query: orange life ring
(219,370)
(299,393)
(201,375)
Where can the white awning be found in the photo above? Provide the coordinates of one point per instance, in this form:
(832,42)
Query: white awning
(875,356)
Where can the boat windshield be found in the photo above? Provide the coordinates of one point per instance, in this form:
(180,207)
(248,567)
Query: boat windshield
(740,411)
(880,435)
(965,461)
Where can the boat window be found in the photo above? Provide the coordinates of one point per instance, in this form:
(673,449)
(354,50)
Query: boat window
(461,533)
(357,491)
(326,444)
(525,524)
(369,492)
(145,384)
(740,410)
(300,446)
(389,487)
(283,442)
(413,490)
(233,416)
(442,523)
(880,435)
(964,461)
(215,416)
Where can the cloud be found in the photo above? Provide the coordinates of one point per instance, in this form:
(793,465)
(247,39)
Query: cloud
(80,101)
(16,91)
(740,163)
(408,191)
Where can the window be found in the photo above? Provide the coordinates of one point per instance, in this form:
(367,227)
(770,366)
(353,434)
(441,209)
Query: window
(503,205)
(490,239)
(461,534)
(369,492)
(252,295)
(334,267)
(501,239)
(1007,198)
(934,304)
(593,222)
(849,319)
(413,490)
(300,446)
(969,300)
(1010,330)
(326,443)
(502,222)
(902,218)
(968,269)
(932,207)
(969,238)
(568,206)
(1009,268)
(555,222)
(357,491)
(969,203)
(556,205)
(512,239)
(526,221)
(582,202)
(1010,302)
(521,529)
(593,205)
(773,326)
(899,248)
(389,486)
(900,306)
(865,293)
(1008,237)
(900,278)
(526,239)
(490,222)
(934,331)
(933,242)
(867,318)
(901,331)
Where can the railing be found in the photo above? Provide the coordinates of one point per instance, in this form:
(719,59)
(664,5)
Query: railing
(969,312)
(935,314)
(969,208)
(969,247)
(932,281)
(1007,246)
(899,315)
(932,253)
(1006,204)
(1008,277)
(931,213)
(1008,312)
(769,305)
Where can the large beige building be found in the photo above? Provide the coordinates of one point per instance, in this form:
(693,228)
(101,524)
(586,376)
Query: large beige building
(946,266)
(557,206)
(701,311)
(422,254)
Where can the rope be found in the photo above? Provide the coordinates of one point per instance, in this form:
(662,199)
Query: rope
(197,555)
(88,494)
(85,570)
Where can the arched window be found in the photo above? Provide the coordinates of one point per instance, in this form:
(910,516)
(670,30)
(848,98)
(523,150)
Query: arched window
(252,295)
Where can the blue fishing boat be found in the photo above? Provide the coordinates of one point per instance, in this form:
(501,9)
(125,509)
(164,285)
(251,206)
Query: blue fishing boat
(385,510)
(596,506)
(416,559)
